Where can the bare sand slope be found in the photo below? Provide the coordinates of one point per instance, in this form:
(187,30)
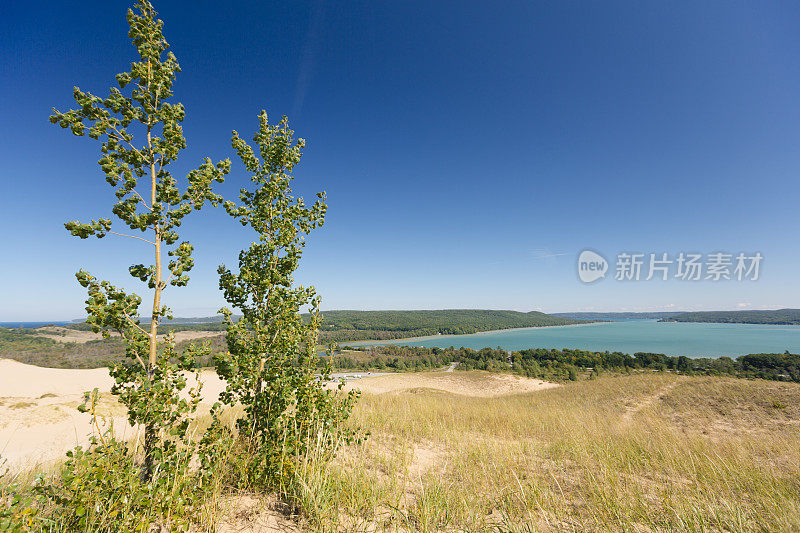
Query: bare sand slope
(39,421)
(19,380)
(478,384)
(40,430)
(181,336)
(60,334)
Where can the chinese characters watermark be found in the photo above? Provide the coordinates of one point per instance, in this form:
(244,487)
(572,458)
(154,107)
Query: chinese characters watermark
(684,266)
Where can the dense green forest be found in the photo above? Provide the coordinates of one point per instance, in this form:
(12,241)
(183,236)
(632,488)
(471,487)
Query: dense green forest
(340,326)
(565,364)
(619,316)
(445,322)
(778,316)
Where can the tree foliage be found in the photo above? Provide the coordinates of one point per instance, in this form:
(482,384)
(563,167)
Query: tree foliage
(776,316)
(271,365)
(140,135)
(290,418)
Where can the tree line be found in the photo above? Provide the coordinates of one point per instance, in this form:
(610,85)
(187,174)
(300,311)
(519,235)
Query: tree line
(546,363)
(776,316)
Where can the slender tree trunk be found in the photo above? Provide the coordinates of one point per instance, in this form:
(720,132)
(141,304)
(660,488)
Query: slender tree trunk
(150,436)
(157,241)
(260,373)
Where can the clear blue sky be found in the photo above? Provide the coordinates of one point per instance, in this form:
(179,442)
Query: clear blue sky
(469,150)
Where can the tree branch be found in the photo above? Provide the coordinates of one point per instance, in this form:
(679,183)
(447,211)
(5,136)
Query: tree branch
(123,139)
(134,191)
(132,237)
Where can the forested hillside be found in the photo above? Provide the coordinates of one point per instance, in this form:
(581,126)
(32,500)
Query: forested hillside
(358,325)
(778,316)
(619,316)
(341,326)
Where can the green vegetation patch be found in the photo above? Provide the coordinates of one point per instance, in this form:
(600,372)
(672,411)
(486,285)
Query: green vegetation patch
(778,316)
(564,364)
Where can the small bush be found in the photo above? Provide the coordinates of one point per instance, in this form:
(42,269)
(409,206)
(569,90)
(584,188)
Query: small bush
(102,489)
(19,509)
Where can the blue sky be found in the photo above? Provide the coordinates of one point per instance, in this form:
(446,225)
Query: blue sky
(469,150)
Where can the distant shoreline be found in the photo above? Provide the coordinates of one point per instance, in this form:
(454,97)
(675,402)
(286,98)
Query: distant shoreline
(432,337)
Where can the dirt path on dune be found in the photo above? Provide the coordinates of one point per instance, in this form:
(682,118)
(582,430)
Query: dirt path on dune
(648,401)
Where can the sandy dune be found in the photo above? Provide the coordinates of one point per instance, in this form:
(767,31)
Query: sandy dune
(478,384)
(181,336)
(39,421)
(19,380)
(42,433)
(60,334)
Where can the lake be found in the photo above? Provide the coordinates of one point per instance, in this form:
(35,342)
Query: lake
(671,338)
(30,325)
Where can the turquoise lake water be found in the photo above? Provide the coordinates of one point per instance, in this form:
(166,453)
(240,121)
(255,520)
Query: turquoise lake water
(671,338)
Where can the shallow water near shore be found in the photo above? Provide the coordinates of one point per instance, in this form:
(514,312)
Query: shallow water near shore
(670,338)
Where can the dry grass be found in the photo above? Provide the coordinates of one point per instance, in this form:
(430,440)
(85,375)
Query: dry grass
(647,452)
(641,453)
(21,405)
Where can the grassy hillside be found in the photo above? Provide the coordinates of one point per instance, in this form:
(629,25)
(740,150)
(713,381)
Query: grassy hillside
(778,316)
(396,324)
(643,453)
(25,346)
(653,452)
(647,452)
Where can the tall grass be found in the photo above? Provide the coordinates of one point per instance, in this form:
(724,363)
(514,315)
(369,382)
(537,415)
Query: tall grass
(653,452)
(648,452)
